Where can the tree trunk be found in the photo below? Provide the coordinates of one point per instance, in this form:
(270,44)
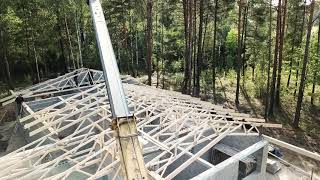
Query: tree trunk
(37,65)
(190,44)
(244,40)
(2,64)
(301,39)
(214,59)
(269,60)
(275,61)
(162,57)
(315,73)
(36,58)
(119,57)
(80,61)
(204,55)
(25,28)
(304,68)
(45,72)
(239,53)
(194,47)
(253,71)
(199,54)
(188,24)
(313,87)
(65,62)
(186,33)
(157,49)
(254,53)
(149,40)
(5,56)
(205,23)
(69,40)
(9,79)
(278,89)
(131,47)
(125,41)
(292,50)
(137,54)
(28,50)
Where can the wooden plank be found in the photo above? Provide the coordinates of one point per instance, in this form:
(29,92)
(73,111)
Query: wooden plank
(293,148)
(4,114)
(268,125)
(131,152)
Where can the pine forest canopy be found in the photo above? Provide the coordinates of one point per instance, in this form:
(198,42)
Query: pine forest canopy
(270,46)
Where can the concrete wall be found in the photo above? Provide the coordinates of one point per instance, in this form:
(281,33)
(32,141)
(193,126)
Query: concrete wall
(229,172)
(229,169)
(240,142)
(42,103)
(191,171)
(29,139)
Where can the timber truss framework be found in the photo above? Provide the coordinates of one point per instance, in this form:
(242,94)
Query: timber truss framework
(69,123)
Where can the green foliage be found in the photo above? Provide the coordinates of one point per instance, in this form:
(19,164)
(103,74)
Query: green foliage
(43,24)
(231,46)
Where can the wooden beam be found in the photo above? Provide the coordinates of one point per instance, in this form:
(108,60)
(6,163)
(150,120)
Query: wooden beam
(293,148)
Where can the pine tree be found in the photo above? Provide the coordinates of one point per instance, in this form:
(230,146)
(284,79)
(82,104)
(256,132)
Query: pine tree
(304,68)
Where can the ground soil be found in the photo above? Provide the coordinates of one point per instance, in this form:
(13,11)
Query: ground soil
(7,123)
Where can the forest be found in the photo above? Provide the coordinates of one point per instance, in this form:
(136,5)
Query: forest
(259,56)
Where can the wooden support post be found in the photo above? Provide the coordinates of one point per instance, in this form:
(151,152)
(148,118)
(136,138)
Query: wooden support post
(131,152)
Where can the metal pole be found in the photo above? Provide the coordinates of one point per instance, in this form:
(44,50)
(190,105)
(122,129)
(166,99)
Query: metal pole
(124,124)
(118,102)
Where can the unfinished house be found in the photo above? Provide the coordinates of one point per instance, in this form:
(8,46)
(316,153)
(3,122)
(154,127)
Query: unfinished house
(65,125)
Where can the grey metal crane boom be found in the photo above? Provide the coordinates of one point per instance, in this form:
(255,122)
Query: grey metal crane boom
(124,124)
